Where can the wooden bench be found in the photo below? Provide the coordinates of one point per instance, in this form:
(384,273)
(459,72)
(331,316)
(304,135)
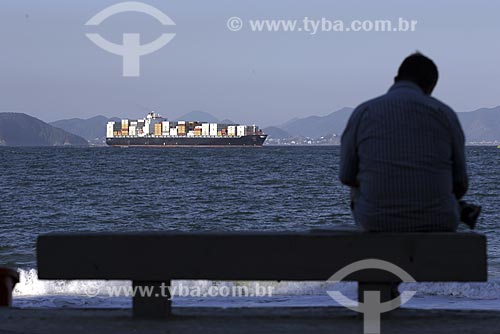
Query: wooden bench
(150,258)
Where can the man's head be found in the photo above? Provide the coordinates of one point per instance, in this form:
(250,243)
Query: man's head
(419,69)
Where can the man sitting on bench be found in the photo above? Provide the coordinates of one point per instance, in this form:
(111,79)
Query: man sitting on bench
(403,156)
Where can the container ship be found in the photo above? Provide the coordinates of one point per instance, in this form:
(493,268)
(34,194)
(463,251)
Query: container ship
(156,131)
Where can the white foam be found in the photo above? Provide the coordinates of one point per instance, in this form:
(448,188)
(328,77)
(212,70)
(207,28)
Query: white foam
(32,292)
(30,285)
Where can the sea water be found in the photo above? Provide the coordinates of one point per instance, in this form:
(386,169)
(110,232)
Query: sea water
(192,189)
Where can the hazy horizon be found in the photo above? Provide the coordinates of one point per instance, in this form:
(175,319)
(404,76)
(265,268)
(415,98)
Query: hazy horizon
(52,71)
(173,117)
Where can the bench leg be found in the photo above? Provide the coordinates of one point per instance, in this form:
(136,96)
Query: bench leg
(151,299)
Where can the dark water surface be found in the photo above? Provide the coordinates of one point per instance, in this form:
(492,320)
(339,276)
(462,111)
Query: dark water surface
(113,189)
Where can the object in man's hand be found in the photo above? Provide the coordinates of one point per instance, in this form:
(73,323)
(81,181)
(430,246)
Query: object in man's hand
(469,214)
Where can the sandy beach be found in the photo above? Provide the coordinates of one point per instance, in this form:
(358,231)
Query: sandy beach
(250,320)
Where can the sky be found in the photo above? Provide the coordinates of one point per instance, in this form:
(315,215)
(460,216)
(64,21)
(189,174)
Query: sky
(51,70)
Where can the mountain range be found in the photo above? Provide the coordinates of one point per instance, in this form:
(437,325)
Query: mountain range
(315,126)
(480,126)
(202,116)
(197,115)
(92,129)
(18,129)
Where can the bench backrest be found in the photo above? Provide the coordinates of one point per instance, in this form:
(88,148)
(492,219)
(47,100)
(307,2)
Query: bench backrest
(158,256)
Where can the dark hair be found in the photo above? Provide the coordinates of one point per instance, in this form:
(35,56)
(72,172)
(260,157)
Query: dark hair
(420,70)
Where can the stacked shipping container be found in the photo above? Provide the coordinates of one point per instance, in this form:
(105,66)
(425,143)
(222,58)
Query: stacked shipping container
(154,125)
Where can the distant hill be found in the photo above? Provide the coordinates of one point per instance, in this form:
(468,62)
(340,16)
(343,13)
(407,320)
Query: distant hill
(318,126)
(92,129)
(200,116)
(18,129)
(277,133)
(481,125)
(227,121)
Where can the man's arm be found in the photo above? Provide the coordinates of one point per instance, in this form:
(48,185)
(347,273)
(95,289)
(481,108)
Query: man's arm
(349,160)
(460,179)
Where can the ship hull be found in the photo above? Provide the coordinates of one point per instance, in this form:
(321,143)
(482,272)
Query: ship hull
(250,141)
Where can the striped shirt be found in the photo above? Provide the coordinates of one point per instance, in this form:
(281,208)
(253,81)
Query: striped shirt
(403,154)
